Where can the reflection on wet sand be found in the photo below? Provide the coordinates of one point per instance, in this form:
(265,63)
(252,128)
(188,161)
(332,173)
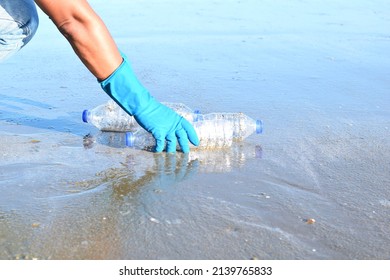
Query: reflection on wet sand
(168,168)
(104,217)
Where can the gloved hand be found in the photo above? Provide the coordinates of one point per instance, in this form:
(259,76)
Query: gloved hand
(164,123)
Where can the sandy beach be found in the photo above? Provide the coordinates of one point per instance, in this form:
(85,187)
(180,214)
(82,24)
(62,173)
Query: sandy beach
(315,185)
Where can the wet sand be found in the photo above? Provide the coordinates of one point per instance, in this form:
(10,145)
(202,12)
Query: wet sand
(316,73)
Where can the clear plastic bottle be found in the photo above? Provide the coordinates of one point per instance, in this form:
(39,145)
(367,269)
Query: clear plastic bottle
(111,117)
(107,138)
(218,132)
(242,125)
(183,110)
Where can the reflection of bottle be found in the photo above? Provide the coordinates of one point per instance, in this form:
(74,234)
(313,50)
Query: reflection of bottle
(217,132)
(111,117)
(225,160)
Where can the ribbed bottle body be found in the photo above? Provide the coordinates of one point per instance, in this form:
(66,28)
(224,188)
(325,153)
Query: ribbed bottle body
(242,125)
(110,117)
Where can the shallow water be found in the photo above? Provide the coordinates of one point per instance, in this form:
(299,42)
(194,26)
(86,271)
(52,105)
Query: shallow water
(316,73)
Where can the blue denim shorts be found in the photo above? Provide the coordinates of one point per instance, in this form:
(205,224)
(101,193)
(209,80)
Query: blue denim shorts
(18,24)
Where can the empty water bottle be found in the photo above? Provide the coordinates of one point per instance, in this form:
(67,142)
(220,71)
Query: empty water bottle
(111,117)
(107,138)
(242,125)
(183,110)
(216,130)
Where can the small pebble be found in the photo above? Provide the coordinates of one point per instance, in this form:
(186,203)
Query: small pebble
(310,221)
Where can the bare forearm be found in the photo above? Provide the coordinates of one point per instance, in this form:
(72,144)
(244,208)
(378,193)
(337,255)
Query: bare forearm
(86,32)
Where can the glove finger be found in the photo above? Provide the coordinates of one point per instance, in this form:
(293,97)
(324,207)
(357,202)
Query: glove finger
(183,140)
(160,143)
(171,143)
(190,131)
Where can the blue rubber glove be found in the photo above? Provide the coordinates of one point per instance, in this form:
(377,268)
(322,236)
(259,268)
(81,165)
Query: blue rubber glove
(164,123)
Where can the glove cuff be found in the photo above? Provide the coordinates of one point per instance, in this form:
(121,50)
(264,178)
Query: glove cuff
(125,89)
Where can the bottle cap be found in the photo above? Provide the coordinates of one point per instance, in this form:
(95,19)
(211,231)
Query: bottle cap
(130,139)
(259,126)
(85,116)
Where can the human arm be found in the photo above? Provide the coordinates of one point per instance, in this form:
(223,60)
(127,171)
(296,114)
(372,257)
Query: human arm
(93,44)
(87,34)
